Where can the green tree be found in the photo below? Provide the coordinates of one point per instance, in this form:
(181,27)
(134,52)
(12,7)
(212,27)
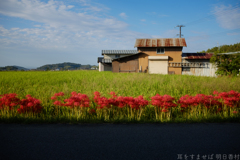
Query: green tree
(227,64)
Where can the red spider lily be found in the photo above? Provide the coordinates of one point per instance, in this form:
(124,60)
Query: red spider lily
(231,98)
(96,96)
(102,102)
(164,102)
(76,100)
(113,94)
(136,103)
(57,103)
(206,100)
(54,97)
(186,101)
(30,104)
(9,101)
(199,99)
(57,95)
(119,101)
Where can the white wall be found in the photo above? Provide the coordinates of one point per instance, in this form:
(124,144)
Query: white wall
(101,66)
(209,72)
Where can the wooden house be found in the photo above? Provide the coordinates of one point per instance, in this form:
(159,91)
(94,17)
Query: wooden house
(154,56)
(198,64)
(105,62)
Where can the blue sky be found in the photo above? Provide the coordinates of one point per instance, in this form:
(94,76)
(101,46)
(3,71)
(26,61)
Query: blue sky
(38,32)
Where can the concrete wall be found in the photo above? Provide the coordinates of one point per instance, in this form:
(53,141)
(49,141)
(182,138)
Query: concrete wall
(174,53)
(100,67)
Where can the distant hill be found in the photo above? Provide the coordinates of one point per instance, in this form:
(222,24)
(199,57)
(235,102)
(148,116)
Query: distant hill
(223,49)
(21,68)
(13,68)
(65,66)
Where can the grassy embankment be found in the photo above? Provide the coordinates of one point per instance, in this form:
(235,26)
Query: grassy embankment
(43,85)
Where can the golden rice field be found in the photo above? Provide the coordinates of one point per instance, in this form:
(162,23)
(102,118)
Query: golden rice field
(42,85)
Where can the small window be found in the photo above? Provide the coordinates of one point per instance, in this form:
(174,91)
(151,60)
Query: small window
(160,50)
(117,56)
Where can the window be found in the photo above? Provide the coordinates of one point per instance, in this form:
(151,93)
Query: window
(117,56)
(160,50)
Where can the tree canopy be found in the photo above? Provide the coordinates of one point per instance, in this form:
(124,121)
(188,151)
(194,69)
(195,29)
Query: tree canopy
(223,49)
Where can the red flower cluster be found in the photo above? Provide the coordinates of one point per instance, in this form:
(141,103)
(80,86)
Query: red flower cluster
(199,99)
(76,100)
(136,103)
(57,95)
(9,100)
(120,101)
(187,101)
(30,104)
(231,98)
(161,103)
(102,102)
(165,102)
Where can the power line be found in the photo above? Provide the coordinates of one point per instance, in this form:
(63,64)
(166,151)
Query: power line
(180,34)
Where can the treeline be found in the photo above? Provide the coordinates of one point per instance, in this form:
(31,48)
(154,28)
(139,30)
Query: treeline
(8,68)
(223,49)
(227,64)
(48,67)
(66,66)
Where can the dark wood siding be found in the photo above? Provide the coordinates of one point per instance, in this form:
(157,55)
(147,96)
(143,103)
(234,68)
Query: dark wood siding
(126,64)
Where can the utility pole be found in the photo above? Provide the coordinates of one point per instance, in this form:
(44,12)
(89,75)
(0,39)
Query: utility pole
(180,33)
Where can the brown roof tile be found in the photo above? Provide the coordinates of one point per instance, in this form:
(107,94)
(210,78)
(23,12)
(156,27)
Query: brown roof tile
(161,42)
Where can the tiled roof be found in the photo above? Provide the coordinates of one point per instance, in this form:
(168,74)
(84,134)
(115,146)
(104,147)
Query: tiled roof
(119,52)
(161,42)
(197,55)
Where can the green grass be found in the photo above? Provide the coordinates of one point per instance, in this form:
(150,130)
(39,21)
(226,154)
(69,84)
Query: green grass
(43,85)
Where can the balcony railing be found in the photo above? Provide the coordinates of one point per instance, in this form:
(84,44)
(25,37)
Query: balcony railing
(106,60)
(195,64)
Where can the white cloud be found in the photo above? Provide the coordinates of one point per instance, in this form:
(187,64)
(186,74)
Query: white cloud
(143,20)
(70,6)
(80,35)
(228,16)
(123,15)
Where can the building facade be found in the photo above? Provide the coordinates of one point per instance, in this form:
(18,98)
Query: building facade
(105,62)
(158,53)
(158,56)
(198,64)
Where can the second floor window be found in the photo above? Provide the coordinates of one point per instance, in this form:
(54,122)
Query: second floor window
(160,50)
(117,56)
